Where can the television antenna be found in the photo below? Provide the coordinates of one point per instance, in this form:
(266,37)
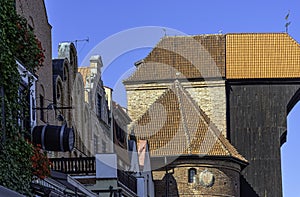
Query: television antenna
(82,40)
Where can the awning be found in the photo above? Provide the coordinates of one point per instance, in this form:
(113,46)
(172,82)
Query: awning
(5,192)
(71,183)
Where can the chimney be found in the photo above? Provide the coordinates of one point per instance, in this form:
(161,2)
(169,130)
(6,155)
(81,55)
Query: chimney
(96,63)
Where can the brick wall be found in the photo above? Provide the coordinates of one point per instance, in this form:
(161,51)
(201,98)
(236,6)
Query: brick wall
(226,179)
(35,13)
(209,95)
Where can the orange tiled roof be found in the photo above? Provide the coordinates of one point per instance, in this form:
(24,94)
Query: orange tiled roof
(242,56)
(191,56)
(175,125)
(262,55)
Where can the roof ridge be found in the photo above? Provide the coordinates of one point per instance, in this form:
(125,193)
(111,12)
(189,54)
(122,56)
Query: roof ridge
(186,130)
(231,150)
(253,33)
(185,103)
(196,107)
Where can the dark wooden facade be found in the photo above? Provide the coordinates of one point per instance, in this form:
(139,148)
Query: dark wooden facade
(257,126)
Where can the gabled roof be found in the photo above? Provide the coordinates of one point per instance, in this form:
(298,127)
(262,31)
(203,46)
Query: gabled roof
(231,56)
(174,125)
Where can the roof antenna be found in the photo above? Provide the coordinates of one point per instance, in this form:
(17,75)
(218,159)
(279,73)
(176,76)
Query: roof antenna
(82,40)
(165,31)
(287,24)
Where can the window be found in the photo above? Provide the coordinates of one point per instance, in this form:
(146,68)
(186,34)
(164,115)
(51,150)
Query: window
(103,146)
(58,91)
(99,105)
(26,117)
(109,116)
(95,144)
(192,175)
(120,134)
(65,72)
(24,113)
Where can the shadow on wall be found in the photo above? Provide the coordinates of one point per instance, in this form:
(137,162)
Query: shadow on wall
(168,182)
(246,188)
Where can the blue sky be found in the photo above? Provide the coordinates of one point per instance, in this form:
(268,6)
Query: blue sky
(98,20)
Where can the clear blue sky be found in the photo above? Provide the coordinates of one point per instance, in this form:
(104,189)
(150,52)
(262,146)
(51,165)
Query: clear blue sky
(77,19)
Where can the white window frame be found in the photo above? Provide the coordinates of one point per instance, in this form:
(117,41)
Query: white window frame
(25,77)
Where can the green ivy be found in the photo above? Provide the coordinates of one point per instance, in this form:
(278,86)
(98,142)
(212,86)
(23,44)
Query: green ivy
(17,41)
(15,165)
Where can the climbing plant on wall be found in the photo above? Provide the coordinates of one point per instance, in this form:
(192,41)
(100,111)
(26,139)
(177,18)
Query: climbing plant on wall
(17,42)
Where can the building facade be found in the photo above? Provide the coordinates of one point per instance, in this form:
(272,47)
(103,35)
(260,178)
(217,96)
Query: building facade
(246,84)
(36,15)
(189,154)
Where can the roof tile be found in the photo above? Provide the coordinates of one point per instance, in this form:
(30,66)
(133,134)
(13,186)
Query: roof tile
(175,125)
(262,55)
(199,56)
(242,56)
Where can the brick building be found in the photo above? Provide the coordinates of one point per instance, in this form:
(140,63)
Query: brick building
(242,85)
(36,16)
(190,156)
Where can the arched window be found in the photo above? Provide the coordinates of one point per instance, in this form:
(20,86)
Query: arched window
(59,91)
(65,72)
(192,175)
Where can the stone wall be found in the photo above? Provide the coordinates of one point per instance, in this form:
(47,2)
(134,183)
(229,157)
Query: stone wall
(226,179)
(209,95)
(211,98)
(140,98)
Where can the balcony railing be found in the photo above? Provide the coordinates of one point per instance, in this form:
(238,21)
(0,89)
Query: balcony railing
(74,166)
(87,166)
(128,180)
